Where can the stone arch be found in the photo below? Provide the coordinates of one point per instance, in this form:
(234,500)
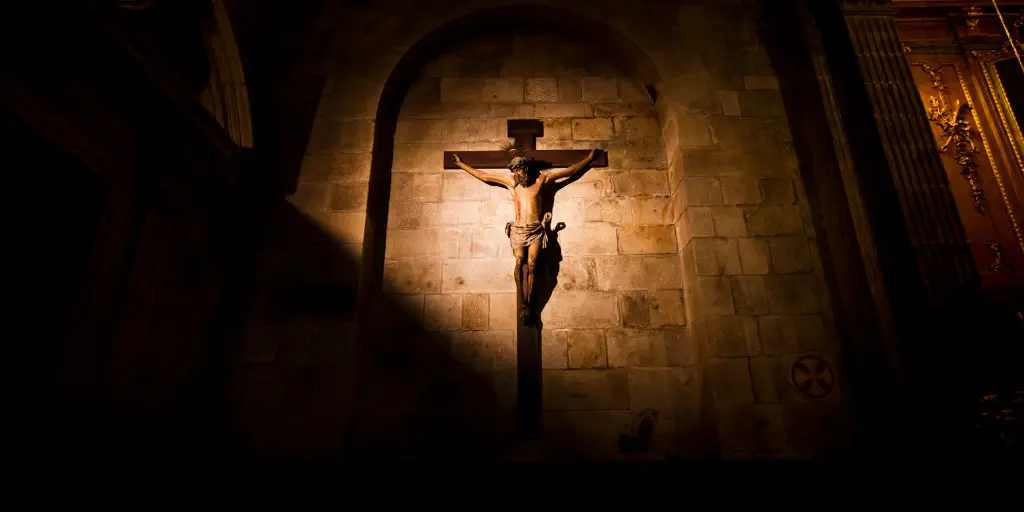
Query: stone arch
(543,17)
(226,95)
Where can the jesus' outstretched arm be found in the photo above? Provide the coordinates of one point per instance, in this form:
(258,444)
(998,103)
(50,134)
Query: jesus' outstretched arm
(572,170)
(482,176)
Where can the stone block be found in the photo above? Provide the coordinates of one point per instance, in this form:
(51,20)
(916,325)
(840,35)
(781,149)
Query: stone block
(511,110)
(410,307)
(445,111)
(595,183)
(413,243)
(581,310)
(352,135)
(346,227)
(729,221)
(640,347)
(689,130)
(754,255)
(503,310)
(701,191)
(442,312)
(489,242)
(475,130)
(797,293)
(502,90)
(416,157)
(540,90)
(810,332)
(618,109)
(475,312)
(750,295)
(592,129)
(496,211)
(638,272)
(596,89)
(761,104)
(419,131)
(637,154)
(662,389)
(631,90)
(335,167)
(485,351)
(408,215)
(412,276)
(667,308)
(461,89)
(585,390)
(638,128)
(463,187)
(451,213)
(730,102)
(765,82)
(516,66)
(636,309)
(790,254)
(347,197)
(554,350)
(407,186)
(730,381)
(587,349)
(577,273)
(729,336)
(613,210)
(591,238)
(649,211)
(546,110)
(774,220)
(558,129)
(778,190)
(570,90)
(702,223)
(778,335)
(712,296)
(646,240)
(716,256)
(477,276)
(740,190)
(770,377)
(640,183)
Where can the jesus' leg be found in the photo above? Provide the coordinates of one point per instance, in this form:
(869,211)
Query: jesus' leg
(517,273)
(531,265)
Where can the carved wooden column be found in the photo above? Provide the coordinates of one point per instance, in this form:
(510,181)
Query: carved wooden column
(916,256)
(916,175)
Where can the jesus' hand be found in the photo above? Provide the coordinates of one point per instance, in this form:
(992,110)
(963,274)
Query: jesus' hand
(456,158)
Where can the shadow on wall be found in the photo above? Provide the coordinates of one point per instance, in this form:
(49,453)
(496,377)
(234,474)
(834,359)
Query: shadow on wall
(303,388)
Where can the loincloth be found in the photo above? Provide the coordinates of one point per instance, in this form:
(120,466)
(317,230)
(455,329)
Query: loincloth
(526,235)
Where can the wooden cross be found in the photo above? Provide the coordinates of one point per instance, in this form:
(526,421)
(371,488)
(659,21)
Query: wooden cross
(525,133)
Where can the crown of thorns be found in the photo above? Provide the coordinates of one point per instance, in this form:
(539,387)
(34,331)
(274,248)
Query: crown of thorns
(518,160)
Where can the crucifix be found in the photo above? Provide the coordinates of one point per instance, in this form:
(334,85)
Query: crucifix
(528,233)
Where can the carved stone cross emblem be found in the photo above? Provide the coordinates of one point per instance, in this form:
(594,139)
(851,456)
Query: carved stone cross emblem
(534,178)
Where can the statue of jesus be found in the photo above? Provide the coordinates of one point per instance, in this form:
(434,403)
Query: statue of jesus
(528,234)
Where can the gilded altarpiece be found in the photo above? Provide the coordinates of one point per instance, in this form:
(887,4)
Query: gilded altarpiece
(952,54)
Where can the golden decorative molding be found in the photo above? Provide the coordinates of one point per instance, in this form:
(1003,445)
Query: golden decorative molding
(1006,115)
(996,250)
(995,169)
(972,16)
(956,130)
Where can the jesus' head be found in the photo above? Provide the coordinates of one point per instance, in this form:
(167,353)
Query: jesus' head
(522,172)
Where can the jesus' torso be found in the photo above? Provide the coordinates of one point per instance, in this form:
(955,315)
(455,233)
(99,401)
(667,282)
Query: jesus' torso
(528,200)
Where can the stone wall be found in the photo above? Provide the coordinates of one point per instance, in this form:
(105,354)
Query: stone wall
(613,329)
(701,200)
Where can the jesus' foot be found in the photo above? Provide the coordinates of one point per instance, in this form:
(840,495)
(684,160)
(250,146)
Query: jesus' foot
(524,316)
